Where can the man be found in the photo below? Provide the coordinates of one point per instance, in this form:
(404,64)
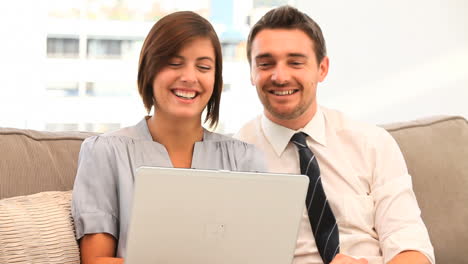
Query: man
(360,207)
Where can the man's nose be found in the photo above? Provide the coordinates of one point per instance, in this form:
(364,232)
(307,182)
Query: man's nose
(280,74)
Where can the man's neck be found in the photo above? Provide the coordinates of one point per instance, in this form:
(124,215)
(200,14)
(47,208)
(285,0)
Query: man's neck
(296,123)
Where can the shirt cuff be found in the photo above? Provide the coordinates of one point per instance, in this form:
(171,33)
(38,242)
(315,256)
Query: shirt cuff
(412,237)
(94,223)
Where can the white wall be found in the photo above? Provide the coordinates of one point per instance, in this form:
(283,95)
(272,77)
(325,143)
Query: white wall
(394,60)
(21,60)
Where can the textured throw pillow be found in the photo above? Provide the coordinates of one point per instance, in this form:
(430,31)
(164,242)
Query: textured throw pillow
(37,228)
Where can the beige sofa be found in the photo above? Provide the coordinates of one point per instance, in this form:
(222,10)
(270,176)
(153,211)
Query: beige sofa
(37,170)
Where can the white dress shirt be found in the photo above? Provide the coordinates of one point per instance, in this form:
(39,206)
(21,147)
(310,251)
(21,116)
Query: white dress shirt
(366,181)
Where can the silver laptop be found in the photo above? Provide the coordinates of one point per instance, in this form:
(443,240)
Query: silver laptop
(187,216)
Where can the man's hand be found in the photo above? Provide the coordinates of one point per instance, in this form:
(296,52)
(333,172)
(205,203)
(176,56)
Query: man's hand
(343,259)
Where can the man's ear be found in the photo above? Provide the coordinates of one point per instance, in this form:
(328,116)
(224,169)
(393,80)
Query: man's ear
(323,68)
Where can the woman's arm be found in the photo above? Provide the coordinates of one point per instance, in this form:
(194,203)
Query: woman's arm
(410,257)
(99,249)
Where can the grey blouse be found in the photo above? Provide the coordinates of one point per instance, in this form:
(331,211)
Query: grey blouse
(103,189)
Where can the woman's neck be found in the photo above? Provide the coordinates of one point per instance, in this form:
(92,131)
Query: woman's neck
(178,137)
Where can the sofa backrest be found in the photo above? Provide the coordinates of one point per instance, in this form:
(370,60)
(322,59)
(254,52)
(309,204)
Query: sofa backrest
(436,152)
(36,161)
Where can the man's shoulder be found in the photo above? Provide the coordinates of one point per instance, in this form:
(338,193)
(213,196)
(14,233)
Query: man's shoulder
(345,125)
(250,131)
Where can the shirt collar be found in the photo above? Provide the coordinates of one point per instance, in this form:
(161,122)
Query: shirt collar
(279,136)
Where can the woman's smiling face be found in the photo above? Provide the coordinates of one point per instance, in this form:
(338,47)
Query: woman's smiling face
(184,86)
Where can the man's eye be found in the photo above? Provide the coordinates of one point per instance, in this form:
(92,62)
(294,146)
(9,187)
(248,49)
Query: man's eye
(263,64)
(297,63)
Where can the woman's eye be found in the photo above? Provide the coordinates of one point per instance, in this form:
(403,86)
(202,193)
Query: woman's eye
(205,68)
(174,62)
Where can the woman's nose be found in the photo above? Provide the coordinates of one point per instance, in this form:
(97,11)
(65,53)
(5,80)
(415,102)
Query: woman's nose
(188,75)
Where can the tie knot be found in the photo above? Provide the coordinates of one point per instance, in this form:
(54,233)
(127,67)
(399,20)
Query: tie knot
(299,139)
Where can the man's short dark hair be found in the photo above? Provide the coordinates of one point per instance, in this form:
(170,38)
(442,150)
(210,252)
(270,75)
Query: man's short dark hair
(288,17)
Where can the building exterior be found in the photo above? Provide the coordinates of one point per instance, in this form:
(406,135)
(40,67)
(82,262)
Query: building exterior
(82,60)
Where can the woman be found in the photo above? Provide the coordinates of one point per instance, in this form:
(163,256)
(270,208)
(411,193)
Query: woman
(179,75)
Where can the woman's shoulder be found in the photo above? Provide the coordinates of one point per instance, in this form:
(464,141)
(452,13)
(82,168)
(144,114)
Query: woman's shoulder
(247,157)
(117,140)
(137,132)
(233,143)
(122,135)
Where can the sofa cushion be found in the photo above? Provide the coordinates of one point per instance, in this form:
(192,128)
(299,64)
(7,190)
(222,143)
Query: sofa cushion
(36,161)
(436,152)
(37,229)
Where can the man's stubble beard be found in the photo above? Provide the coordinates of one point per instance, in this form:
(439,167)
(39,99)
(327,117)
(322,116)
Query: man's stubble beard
(300,109)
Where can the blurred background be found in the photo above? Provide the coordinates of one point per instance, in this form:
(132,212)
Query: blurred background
(72,64)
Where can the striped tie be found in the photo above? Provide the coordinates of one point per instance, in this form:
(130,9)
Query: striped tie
(321,217)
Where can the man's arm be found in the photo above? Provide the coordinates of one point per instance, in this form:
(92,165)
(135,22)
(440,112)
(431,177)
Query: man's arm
(402,233)
(413,257)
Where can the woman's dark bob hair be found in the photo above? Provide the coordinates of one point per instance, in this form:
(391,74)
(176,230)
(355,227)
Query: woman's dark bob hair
(163,42)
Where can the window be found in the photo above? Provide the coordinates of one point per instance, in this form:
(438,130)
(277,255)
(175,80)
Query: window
(120,88)
(269,3)
(61,127)
(226,87)
(101,127)
(90,89)
(83,55)
(229,50)
(63,88)
(62,47)
(104,48)
(93,127)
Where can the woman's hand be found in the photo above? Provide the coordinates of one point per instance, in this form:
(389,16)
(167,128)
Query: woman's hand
(99,249)
(343,259)
(106,260)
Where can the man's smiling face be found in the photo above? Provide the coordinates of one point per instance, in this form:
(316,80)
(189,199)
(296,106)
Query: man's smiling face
(285,71)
